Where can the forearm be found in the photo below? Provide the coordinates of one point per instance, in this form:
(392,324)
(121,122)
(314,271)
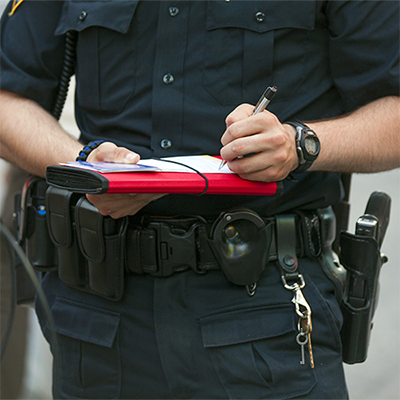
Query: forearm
(30,137)
(367,140)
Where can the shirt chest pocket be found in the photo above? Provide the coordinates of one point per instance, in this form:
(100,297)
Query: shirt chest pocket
(105,52)
(253,44)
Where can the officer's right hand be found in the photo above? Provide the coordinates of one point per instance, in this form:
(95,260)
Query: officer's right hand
(118,205)
(269,145)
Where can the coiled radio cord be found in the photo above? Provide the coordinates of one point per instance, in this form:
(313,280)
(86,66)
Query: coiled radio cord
(68,69)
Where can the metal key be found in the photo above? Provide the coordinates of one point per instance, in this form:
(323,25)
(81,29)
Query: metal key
(303,310)
(302,340)
(306,327)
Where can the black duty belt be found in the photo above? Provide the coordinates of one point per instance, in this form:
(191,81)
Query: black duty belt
(162,247)
(94,252)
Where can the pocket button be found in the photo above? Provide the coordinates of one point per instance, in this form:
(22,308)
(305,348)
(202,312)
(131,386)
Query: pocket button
(173,11)
(260,16)
(82,16)
(166,144)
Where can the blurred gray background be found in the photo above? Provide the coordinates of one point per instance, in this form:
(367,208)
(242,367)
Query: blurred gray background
(377,378)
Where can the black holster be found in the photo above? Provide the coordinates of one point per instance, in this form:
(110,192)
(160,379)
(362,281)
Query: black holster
(362,259)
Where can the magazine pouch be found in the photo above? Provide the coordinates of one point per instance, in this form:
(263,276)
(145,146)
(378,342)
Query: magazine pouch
(72,266)
(102,243)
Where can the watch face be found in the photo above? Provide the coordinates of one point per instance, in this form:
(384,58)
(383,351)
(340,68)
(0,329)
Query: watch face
(311,145)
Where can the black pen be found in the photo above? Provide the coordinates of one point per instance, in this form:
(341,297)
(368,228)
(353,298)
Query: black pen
(261,105)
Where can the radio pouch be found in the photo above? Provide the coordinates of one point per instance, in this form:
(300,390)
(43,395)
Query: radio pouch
(31,225)
(30,230)
(361,257)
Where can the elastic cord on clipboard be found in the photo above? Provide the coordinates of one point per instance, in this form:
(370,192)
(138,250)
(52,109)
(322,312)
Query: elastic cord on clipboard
(193,169)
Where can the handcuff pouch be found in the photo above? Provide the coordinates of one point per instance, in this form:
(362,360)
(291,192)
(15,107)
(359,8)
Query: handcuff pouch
(240,241)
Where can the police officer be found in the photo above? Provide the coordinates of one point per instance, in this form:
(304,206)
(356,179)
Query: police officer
(157,79)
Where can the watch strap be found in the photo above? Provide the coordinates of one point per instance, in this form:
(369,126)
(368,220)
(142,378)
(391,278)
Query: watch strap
(304,164)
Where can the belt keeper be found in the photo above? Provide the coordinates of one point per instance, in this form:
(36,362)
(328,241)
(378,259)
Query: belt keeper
(285,226)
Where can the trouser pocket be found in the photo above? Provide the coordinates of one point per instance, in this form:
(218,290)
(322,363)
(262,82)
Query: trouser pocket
(255,354)
(89,355)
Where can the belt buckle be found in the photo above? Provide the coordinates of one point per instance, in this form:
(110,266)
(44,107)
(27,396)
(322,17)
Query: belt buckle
(175,252)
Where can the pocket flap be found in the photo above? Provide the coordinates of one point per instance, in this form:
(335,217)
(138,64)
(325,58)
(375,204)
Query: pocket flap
(58,203)
(247,325)
(242,14)
(89,229)
(86,323)
(79,15)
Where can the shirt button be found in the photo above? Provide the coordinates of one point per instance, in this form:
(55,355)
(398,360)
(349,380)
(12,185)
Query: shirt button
(260,16)
(173,11)
(83,15)
(166,144)
(168,79)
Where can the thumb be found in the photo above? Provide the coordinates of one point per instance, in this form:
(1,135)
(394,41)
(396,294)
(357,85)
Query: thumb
(109,152)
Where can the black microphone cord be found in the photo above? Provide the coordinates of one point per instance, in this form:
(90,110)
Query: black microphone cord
(13,244)
(10,321)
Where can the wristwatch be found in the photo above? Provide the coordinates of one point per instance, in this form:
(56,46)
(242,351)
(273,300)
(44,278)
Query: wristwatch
(307,146)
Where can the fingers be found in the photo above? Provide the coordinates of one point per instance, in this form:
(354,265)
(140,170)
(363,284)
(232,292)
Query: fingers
(118,205)
(242,138)
(242,124)
(259,147)
(264,167)
(239,113)
(109,152)
(121,205)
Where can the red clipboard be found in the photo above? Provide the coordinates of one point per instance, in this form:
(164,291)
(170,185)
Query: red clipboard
(86,181)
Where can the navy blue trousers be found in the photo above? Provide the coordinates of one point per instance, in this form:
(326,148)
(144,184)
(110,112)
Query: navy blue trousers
(196,336)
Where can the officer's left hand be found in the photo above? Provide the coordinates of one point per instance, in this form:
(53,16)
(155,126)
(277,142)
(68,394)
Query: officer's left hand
(118,205)
(271,145)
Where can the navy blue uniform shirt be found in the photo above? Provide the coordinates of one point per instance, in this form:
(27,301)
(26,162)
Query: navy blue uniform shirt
(160,77)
